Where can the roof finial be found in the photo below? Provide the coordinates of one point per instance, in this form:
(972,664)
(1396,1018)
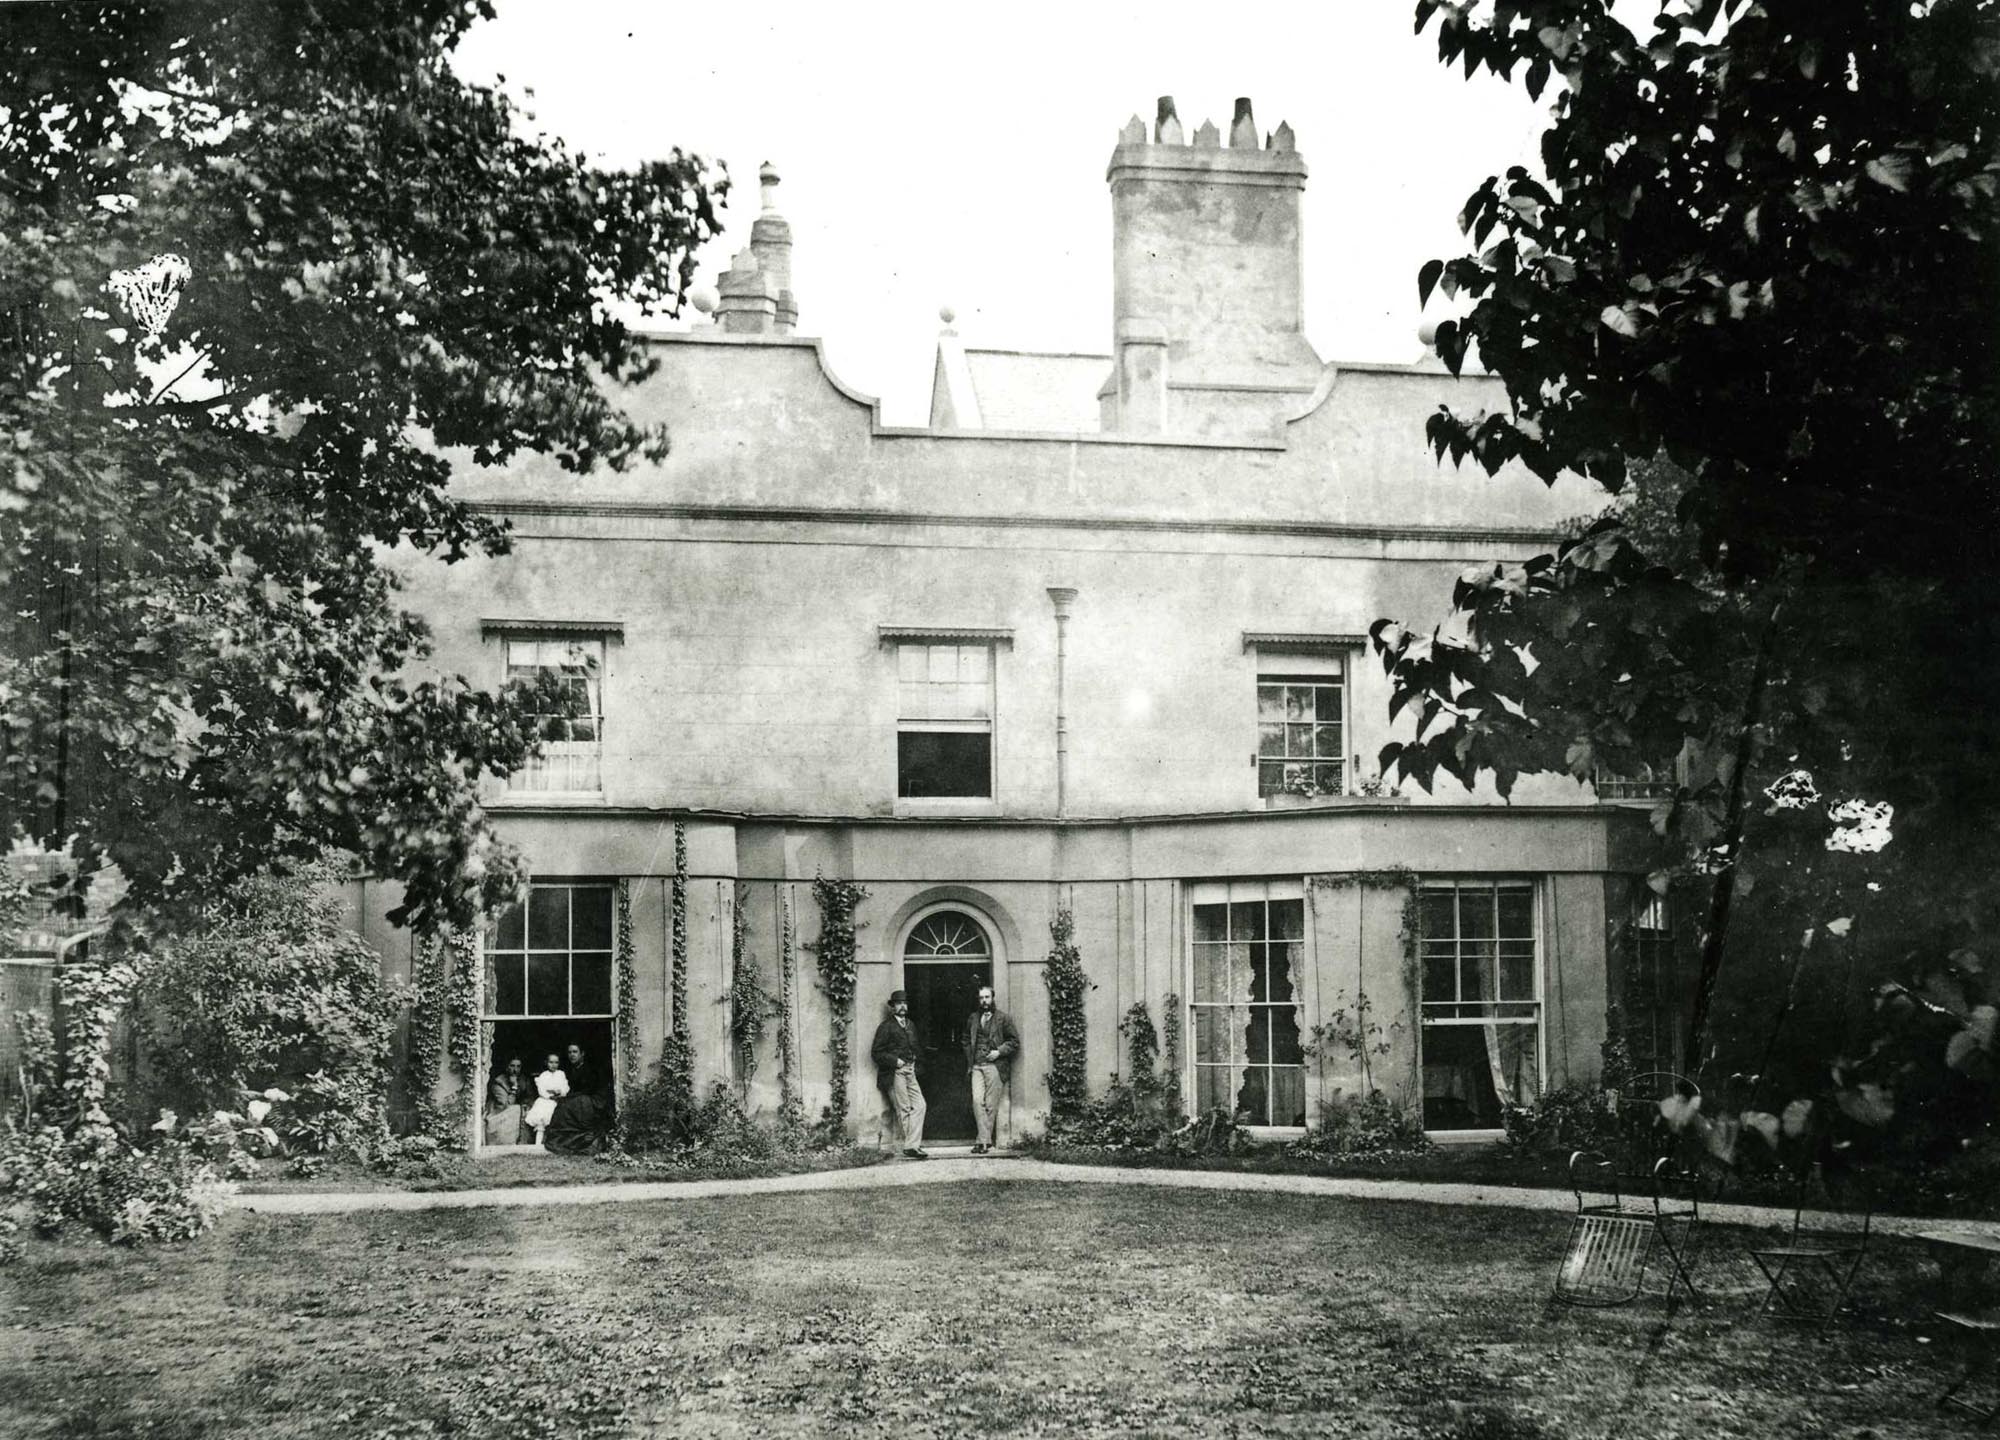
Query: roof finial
(1167,124)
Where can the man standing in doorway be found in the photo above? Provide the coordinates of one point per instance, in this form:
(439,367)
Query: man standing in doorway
(991,1043)
(895,1056)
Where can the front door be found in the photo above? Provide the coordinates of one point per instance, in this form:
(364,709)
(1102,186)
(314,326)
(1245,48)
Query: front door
(943,995)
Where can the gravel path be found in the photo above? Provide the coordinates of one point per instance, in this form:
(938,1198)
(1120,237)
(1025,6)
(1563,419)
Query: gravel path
(945,1170)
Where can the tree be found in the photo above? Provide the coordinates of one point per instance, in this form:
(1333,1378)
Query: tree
(1763,251)
(359,265)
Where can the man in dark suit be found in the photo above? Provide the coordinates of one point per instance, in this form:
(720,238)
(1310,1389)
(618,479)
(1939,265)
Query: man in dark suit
(991,1043)
(895,1055)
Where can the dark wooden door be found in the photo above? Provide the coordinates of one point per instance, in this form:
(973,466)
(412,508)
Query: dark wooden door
(943,995)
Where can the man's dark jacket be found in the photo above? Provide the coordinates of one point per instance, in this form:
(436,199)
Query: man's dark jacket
(893,1042)
(1000,1035)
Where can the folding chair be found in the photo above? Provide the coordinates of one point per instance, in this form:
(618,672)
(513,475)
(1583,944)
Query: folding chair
(1811,1273)
(1980,1335)
(1677,1223)
(1605,1260)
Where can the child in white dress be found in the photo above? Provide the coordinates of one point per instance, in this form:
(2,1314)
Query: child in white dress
(550,1086)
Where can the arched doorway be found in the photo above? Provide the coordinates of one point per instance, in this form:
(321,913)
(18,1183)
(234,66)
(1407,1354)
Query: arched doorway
(947,956)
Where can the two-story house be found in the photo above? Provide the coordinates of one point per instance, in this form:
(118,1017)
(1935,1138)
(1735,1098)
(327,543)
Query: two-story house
(1093,640)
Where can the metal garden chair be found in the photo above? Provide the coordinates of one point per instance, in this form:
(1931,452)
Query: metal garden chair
(1613,1237)
(1813,1271)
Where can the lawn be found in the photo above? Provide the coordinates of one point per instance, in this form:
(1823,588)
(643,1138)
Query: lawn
(986,1307)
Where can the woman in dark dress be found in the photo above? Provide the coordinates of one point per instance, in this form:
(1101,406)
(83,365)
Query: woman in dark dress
(582,1122)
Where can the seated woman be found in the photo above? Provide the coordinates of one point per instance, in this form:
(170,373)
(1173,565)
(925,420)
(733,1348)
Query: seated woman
(551,1085)
(506,1096)
(582,1121)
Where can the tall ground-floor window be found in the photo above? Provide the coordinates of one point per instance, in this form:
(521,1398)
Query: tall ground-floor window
(1653,997)
(1480,953)
(549,987)
(1246,1000)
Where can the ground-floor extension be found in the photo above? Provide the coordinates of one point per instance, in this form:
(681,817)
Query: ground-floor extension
(1457,959)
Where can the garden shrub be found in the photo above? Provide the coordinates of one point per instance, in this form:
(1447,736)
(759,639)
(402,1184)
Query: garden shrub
(267,988)
(716,1130)
(1566,1118)
(1365,1129)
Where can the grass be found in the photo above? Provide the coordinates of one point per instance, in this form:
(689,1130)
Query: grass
(980,1308)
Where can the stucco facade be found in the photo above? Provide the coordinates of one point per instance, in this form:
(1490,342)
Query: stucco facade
(757,612)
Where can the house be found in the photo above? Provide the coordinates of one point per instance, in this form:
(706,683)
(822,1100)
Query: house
(1093,641)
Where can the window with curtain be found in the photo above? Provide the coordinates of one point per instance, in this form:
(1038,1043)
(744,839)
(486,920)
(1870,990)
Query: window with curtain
(1653,996)
(572,753)
(944,721)
(1300,734)
(1246,1001)
(1479,954)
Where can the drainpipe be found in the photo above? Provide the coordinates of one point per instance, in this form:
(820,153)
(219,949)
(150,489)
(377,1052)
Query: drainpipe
(1061,596)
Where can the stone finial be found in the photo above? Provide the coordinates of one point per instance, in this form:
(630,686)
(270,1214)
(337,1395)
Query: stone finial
(767,177)
(1207,137)
(748,302)
(1282,139)
(1134,132)
(1167,124)
(946,315)
(1243,129)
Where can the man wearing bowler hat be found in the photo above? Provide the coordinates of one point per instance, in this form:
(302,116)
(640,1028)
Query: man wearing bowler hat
(895,1055)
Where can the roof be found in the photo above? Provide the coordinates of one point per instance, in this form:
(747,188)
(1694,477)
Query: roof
(1040,391)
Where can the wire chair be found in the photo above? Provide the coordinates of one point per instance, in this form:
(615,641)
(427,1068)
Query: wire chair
(1812,1273)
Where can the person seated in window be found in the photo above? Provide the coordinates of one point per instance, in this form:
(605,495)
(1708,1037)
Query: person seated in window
(508,1094)
(582,1121)
(551,1086)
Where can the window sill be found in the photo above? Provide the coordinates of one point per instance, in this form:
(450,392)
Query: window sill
(1326,802)
(947,805)
(569,799)
(1465,1137)
(1275,1132)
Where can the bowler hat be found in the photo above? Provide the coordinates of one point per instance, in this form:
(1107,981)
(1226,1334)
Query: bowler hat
(895,995)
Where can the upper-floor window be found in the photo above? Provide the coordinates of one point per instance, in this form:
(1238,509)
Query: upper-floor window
(572,755)
(944,720)
(1301,733)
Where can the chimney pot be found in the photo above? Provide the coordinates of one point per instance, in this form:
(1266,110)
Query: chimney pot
(1243,129)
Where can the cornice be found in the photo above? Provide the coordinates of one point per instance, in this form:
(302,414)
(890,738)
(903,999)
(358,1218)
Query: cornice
(829,515)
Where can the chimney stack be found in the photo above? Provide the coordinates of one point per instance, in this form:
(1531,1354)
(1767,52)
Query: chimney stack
(771,241)
(1208,286)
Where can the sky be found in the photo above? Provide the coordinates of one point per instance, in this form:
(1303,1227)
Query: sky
(939,155)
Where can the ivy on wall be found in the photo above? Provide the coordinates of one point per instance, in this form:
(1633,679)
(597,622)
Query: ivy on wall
(445,1025)
(677,1064)
(750,1003)
(837,901)
(1069,1079)
(1173,1061)
(425,1056)
(791,1104)
(628,995)
(93,999)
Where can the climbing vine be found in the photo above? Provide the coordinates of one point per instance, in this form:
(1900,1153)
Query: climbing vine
(791,1105)
(749,1002)
(628,995)
(837,900)
(677,1064)
(1069,1078)
(445,1026)
(465,1030)
(93,999)
(1173,1061)
(1142,1048)
(425,1056)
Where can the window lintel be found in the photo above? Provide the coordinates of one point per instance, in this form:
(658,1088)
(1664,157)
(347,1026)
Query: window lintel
(553,629)
(1296,640)
(945,634)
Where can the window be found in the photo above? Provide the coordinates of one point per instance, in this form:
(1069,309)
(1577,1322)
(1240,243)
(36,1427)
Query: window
(551,954)
(1481,1000)
(944,725)
(1300,734)
(572,755)
(1246,1010)
(1653,1019)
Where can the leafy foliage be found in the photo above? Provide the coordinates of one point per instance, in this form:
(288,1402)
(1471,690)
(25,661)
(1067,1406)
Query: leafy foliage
(1140,1109)
(677,1062)
(1069,1079)
(204,668)
(1369,1128)
(268,988)
(837,901)
(750,1004)
(1748,220)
